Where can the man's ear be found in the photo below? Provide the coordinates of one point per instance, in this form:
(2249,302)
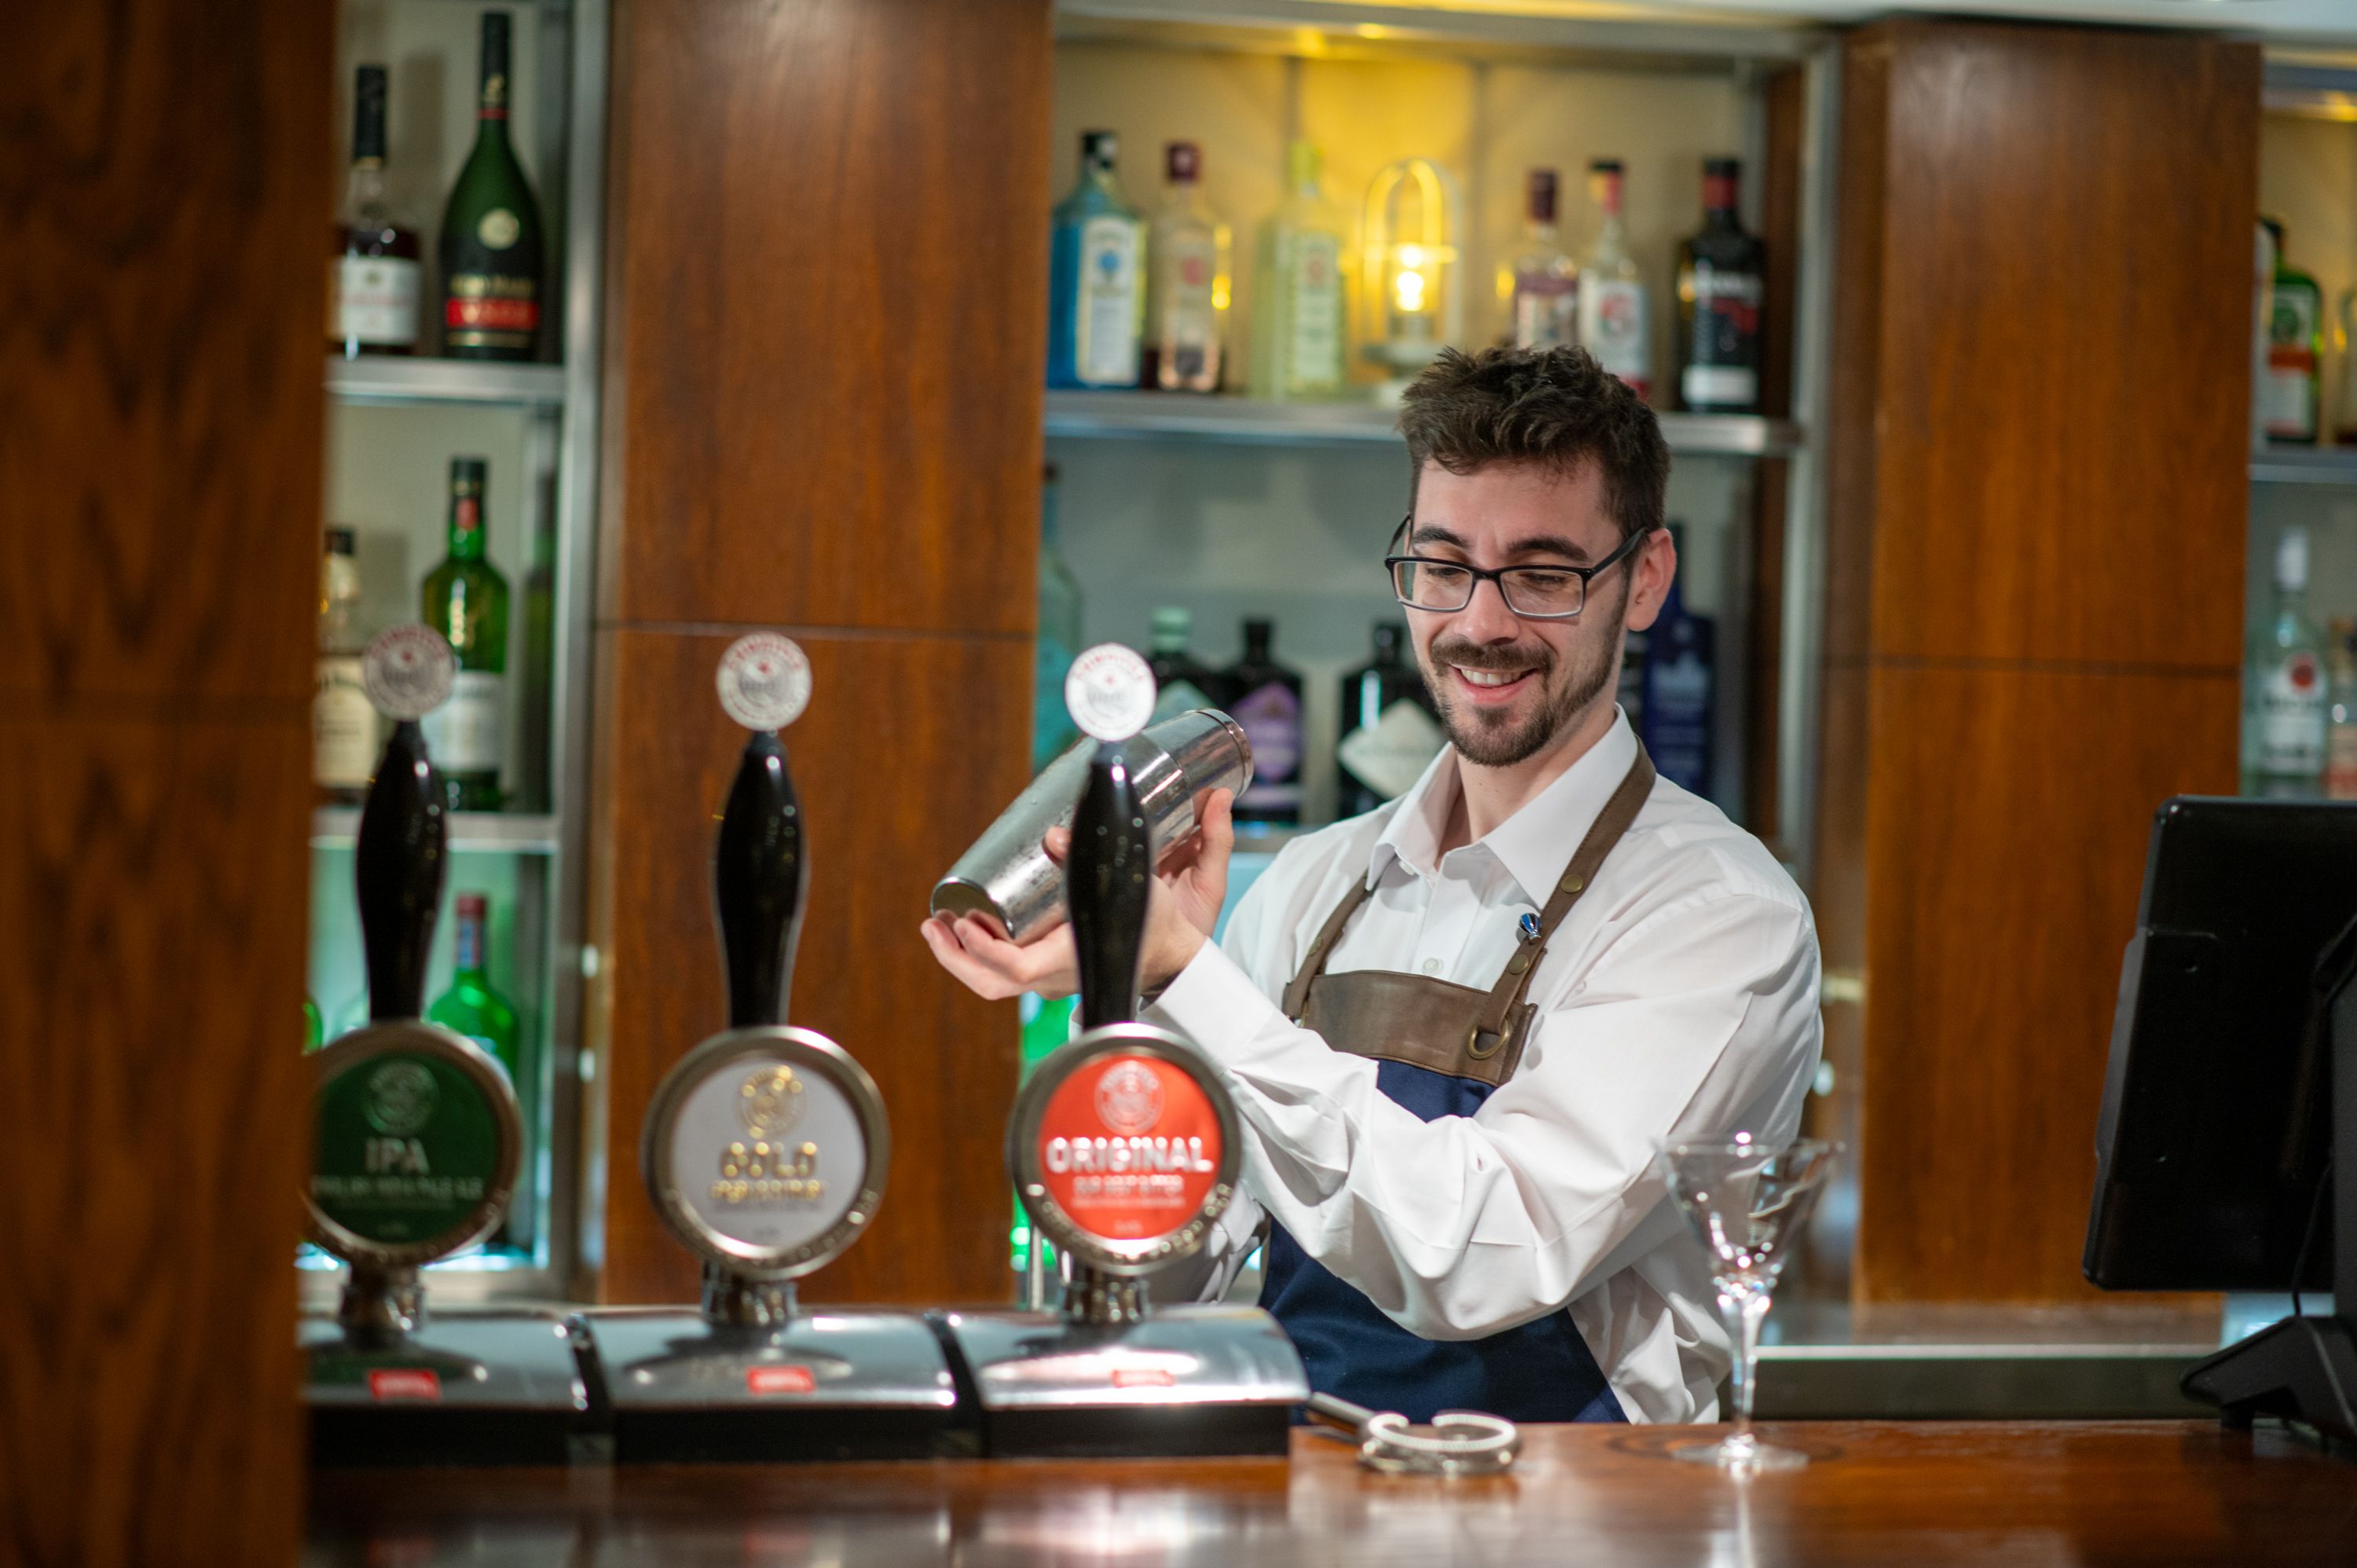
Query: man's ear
(1651,572)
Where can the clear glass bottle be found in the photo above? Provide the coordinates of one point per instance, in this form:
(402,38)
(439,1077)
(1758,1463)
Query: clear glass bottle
(1615,322)
(373,282)
(1541,283)
(2295,345)
(1059,640)
(1096,295)
(2341,730)
(1299,337)
(2285,704)
(1722,282)
(1188,282)
(345,737)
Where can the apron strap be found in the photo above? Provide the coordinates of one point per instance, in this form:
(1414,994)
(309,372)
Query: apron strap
(1504,1018)
(1297,994)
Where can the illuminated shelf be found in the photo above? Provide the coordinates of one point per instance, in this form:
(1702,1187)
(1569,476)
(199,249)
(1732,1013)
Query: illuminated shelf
(2305,466)
(1183,416)
(393,380)
(488,833)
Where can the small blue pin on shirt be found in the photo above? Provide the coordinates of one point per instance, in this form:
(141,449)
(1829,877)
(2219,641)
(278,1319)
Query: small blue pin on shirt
(1529,925)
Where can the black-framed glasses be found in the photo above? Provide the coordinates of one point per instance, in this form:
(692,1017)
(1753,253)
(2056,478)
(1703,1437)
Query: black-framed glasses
(1533,593)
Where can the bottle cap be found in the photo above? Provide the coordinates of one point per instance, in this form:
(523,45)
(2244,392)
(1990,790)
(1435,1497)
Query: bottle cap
(473,906)
(339,541)
(1099,149)
(1173,625)
(764,681)
(467,474)
(1541,198)
(408,670)
(1109,691)
(1183,162)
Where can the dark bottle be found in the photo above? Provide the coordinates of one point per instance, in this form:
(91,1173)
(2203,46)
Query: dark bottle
(1722,279)
(1680,679)
(491,231)
(1264,697)
(466,599)
(1181,684)
(372,285)
(1390,729)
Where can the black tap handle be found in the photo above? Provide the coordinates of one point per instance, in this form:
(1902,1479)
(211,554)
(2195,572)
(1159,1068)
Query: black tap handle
(397,866)
(1105,887)
(760,874)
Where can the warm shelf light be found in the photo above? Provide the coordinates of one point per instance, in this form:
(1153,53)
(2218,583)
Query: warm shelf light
(1411,290)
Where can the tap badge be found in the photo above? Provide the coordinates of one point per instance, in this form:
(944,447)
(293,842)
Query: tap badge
(764,681)
(401,1096)
(408,670)
(1129,1097)
(1109,691)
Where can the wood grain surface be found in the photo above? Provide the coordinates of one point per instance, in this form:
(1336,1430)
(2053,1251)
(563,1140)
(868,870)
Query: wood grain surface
(2036,497)
(900,763)
(1878,1494)
(822,415)
(165,179)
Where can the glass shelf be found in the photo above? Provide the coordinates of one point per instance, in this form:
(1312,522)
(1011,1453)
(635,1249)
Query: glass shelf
(2305,466)
(510,833)
(1183,416)
(393,380)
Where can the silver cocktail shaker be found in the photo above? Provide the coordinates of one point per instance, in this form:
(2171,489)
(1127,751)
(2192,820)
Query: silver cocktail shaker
(1007,874)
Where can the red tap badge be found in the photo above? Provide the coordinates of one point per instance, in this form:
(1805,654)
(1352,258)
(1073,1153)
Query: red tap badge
(1129,1147)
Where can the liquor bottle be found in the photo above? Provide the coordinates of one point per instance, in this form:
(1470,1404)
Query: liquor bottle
(1613,317)
(315,1029)
(471,1007)
(344,735)
(2344,410)
(1298,337)
(1264,697)
(373,282)
(1541,283)
(490,250)
(465,600)
(1391,729)
(1096,256)
(2285,702)
(1059,642)
(537,691)
(2295,346)
(1187,281)
(1047,1025)
(1722,279)
(2262,311)
(2341,731)
(1183,683)
(1680,681)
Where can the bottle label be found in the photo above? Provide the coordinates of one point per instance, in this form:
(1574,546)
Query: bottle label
(1389,756)
(485,310)
(2291,366)
(1189,331)
(1104,345)
(499,229)
(1315,279)
(1723,372)
(468,733)
(373,300)
(2292,718)
(1271,716)
(1613,328)
(343,725)
(1547,311)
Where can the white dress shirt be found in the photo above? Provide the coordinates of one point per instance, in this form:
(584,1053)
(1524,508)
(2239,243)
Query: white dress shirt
(1677,999)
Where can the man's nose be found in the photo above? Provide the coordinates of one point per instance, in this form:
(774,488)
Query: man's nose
(1488,618)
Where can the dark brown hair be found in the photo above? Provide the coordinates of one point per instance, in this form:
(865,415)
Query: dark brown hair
(1557,407)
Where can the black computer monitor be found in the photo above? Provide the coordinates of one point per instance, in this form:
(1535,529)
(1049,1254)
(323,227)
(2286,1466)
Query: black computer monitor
(2218,1124)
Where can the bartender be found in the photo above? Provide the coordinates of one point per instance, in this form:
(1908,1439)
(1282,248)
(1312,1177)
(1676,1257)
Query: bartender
(1456,1027)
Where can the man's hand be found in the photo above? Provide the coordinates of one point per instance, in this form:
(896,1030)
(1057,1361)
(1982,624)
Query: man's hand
(1189,888)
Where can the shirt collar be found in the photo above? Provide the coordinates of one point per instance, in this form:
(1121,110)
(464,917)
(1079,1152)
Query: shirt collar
(1537,843)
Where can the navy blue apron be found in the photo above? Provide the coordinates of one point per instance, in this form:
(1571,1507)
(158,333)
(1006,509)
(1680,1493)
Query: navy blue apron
(1440,1049)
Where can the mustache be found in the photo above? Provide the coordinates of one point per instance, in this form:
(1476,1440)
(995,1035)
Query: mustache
(1469,655)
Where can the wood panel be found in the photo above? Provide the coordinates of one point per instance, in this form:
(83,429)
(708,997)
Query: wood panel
(2005,853)
(2065,348)
(166,188)
(1877,1493)
(896,774)
(828,296)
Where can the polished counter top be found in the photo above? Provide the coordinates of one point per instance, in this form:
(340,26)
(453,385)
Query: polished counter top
(1880,1493)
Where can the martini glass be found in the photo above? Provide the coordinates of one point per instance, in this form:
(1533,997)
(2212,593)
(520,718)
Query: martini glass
(1745,1201)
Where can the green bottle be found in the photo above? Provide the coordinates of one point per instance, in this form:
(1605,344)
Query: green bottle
(314,1027)
(1046,1026)
(470,1008)
(465,600)
(490,250)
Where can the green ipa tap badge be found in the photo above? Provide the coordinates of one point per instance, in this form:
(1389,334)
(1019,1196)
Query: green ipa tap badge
(419,1145)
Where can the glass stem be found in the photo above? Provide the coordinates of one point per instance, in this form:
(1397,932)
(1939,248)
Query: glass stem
(1745,1309)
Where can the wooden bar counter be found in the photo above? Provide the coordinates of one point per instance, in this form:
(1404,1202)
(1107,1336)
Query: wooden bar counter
(1881,1493)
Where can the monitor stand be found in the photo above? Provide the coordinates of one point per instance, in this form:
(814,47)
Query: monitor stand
(2305,1369)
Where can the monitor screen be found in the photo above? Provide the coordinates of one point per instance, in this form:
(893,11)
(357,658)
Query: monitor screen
(2214,1130)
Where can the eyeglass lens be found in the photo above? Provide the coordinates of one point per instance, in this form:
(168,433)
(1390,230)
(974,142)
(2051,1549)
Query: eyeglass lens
(1530,590)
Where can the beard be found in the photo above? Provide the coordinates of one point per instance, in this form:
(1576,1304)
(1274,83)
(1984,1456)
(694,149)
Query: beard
(1498,739)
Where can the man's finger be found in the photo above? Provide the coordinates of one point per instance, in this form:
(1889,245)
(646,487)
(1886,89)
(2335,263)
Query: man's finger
(974,975)
(1058,843)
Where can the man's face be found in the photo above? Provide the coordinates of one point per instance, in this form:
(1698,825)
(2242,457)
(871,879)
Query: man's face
(1510,689)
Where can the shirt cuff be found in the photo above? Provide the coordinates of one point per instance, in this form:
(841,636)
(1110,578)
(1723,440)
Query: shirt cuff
(1214,1003)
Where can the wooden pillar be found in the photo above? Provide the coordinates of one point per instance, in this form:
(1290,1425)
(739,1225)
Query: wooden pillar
(166,179)
(826,329)
(2035,604)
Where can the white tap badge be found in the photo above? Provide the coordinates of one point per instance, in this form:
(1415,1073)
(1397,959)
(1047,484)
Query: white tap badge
(408,670)
(767,1156)
(1109,691)
(764,681)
